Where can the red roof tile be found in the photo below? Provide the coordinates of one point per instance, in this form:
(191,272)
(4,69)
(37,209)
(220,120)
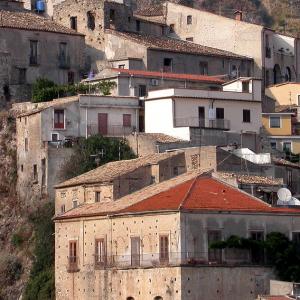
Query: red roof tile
(204,193)
(192,77)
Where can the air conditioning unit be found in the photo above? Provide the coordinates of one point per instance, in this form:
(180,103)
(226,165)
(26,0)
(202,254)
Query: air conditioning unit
(154,82)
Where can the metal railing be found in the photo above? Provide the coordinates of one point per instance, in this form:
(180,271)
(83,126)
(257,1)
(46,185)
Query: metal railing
(222,124)
(111,130)
(227,257)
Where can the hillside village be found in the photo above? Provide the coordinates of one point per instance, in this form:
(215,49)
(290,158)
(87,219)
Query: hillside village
(148,150)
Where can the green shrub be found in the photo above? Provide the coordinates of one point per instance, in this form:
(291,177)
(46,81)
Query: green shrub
(17,240)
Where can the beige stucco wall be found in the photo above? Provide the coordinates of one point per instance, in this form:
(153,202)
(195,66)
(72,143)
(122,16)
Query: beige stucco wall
(187,234)
(285,128)
(284,94)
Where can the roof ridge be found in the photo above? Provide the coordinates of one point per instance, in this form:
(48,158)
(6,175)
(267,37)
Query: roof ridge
(188,192)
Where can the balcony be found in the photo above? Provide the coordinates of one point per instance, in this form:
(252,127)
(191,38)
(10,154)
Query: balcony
(64,62)
(221,124)
(73,264)
(226,257)
(110,131)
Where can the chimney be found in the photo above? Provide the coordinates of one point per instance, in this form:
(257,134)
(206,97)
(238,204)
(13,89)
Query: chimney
(238,15)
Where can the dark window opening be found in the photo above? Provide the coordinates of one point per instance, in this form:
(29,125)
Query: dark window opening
(100,253)
(33,56)
(214,255)
(126,120)
(164,249)
(142,90)
(22,168)
(246,116)
(220,113)
(71,78)
(59,119)
(138,25)
(203,67)
(189,39)
(43,163)
(296,237)
(135,251)
(63,209)
(245,86)
(97,196)
(6,92)
(63,56)
(22,76)
(168,65)
(90,20)
(112,14)
(35,173)
(121,66)
(189,20)
(257,254)
(289,178)
(73,23)
(26,144)
(172,28)
(73,258)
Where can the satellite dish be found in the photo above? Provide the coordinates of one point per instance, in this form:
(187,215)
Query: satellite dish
(284,195)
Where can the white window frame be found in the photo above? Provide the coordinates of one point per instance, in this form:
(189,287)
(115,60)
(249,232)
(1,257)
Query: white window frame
(280,121)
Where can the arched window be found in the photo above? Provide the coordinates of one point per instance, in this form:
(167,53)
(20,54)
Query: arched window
(277,74)
(158,298)
(288,74)
(129,298)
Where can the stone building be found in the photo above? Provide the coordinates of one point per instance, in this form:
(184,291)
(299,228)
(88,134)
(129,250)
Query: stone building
(115,180)
(47,131)
(114,32)
(33,46)
(275,55)
(154,243)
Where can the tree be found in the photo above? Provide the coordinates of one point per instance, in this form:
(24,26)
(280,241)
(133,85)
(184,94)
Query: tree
(94,151)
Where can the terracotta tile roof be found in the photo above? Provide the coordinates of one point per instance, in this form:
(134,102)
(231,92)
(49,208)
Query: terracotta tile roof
(285,108)
(190,77)
(205,194)
(283,162)
(188,192)
(161,138)
(112,170)
(98,209)
(150,10)
(27,20)
(253,179)
(174,45)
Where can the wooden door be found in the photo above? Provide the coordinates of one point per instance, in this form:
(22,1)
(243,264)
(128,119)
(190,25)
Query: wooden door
(102,123)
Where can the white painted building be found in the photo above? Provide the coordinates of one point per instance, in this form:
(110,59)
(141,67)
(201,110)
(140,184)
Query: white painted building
(176,111)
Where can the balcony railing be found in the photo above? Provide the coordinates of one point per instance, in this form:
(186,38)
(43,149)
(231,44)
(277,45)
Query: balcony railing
(64,62)
(227,257)
(112,130)
(73,264)
(222,124)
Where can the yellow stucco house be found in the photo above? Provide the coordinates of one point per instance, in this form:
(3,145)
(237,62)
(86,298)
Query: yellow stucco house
(287,93)
(282,134)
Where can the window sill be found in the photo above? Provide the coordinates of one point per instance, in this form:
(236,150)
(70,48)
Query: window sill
(59,129)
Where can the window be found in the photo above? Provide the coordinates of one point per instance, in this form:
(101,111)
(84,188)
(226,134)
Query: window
(164,249)
(97,196)
(127,120)
(90,20)
(22,168)
(245,86)
(268,49)
(172,28)
(73,258)
(189,39)
(22,76)
(296,237)
(26,144)
(299,100)
(142,91)
(214,255)
(63,209)
(257,255)
(73,23)
(43,165)
(275,122)
(121,66)
(33,57)
(112,15)
(219,113)
(63,58)
(135,251)
(273,145)
(138,25)
(75,203)
(287,147)
(168,65)
(71,77)
(6,92)
(59,119)
(35,173)
(246,116)
(233,71)
(203,67)
(176,171)
(189,20)
(289,178)
(100,252)
(54,137)
(158,298)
